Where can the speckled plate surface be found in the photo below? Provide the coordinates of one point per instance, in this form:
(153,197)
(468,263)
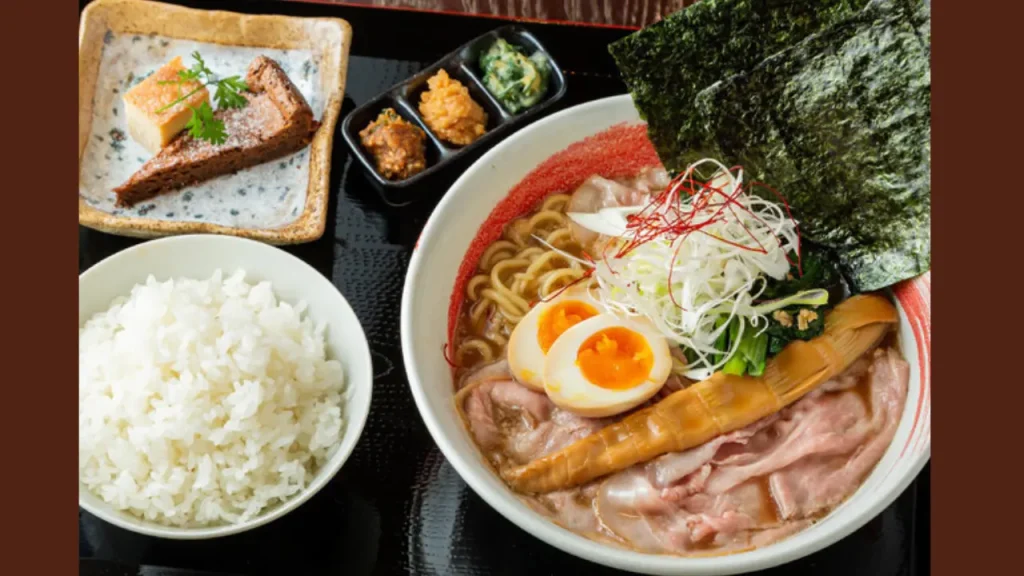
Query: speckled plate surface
(279,202)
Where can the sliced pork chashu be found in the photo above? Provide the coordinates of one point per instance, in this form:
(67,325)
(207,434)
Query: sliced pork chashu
(277,121)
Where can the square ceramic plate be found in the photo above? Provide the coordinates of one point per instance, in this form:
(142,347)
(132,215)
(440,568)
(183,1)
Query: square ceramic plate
(255,203)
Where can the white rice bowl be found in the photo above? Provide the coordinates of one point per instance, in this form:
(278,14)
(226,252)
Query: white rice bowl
(204,402)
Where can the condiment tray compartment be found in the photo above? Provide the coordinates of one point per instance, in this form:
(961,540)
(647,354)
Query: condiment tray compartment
(461,64)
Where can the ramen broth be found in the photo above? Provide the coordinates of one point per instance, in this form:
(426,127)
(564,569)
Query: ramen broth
(515,272)
(699,512)
(521,267)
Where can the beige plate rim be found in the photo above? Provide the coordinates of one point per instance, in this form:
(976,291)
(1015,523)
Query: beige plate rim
(312,222)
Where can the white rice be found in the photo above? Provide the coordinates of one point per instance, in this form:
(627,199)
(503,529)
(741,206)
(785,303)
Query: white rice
(204,402)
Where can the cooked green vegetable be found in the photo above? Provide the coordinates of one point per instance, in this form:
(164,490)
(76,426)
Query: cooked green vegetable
(755,349)
(736,365)
(757,344)
(751,354)
(839,122)
(722,342)
(785,326)
(803,319)
(816,297)
(818,272)
(517,81)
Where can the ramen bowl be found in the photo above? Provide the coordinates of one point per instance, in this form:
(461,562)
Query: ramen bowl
(557,152)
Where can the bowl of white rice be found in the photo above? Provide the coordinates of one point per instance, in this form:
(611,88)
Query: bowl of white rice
(222,383)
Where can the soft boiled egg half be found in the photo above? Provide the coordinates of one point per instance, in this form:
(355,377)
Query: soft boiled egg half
(532,338)
(605,365)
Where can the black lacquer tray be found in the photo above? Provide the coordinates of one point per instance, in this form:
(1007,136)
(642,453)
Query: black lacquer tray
(404,97)
(397,507)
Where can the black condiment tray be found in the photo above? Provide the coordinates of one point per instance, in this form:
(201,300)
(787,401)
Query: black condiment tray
(397,507)
(462,65)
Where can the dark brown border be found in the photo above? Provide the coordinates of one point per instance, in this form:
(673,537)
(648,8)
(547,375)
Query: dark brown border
(37,287)
(977,392)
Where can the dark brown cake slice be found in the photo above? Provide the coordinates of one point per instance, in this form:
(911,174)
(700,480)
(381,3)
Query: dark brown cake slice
(277,121)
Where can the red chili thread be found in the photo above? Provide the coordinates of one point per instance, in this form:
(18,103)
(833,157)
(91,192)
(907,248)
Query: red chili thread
(663,217)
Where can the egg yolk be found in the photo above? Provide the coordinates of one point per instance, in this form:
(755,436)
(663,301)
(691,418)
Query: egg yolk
(559,318)
(616,358)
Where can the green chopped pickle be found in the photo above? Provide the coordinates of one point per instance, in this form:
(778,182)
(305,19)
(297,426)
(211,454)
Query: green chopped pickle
(514,79)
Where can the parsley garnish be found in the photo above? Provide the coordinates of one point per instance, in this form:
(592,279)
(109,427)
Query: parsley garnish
(203,125)
(228,94)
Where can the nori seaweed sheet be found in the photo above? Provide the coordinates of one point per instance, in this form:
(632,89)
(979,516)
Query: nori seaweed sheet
(840,124)
(667,63)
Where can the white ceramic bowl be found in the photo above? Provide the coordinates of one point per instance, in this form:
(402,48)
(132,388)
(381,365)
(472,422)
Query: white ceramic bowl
(198,256)
(430,280)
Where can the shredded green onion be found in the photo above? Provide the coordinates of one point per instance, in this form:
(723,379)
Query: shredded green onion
(694,286)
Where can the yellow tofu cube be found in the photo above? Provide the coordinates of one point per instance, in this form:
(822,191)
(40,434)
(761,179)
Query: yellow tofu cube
(153,129)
